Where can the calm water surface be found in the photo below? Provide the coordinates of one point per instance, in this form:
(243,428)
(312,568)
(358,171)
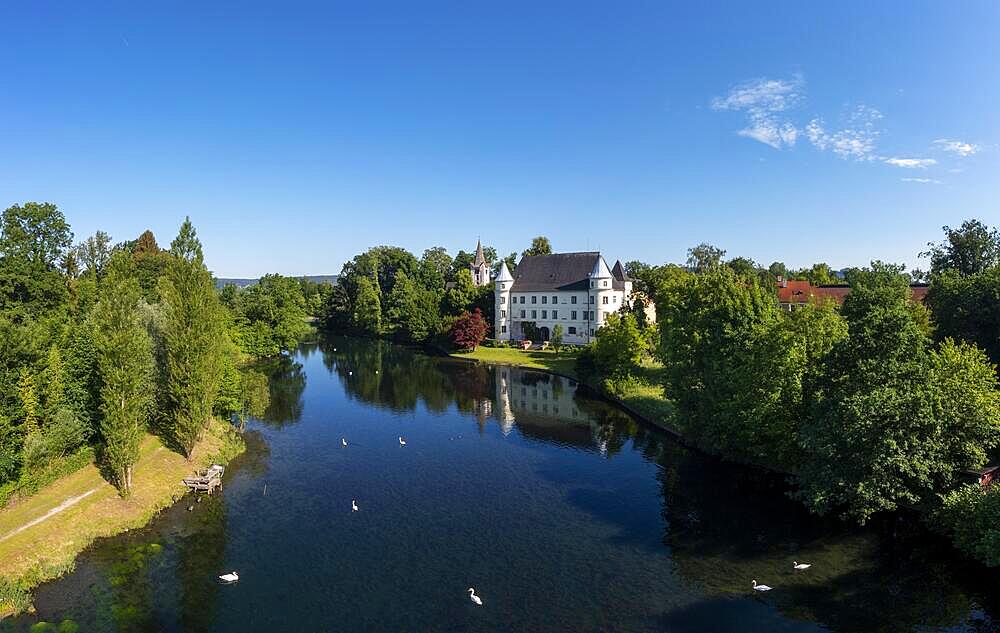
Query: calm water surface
(563,512)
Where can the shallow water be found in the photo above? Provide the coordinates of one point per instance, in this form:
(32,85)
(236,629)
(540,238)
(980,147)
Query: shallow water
(562,511)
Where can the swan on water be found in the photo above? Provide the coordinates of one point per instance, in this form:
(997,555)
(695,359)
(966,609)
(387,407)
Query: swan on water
(354,505)
(230,577)
(343,442)
(402,442)
(757,587)
(797,565)
(474,597)
(350,373)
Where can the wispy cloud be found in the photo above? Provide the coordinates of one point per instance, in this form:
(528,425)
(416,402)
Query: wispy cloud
(911,163)
(763,101)
(925,181)
(956,147)
(856,140)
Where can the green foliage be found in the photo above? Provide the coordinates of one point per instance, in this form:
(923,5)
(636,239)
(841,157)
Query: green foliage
(411,311)
(33,239)
(53,384)
(434,268)
(269,316)
(894,420)
(539,246)
(619,346)
(125,363)
(704,257)
(967,307)
(557,338)
(367,317)
(27,396)
(970,516)
(194,338)
(970,249)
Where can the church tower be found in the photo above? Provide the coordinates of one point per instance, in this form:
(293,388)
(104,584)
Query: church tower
(479,269)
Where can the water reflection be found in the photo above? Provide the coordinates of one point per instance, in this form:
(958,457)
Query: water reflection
(569,514)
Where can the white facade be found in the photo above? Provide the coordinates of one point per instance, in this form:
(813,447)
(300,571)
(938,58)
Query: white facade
(580,311)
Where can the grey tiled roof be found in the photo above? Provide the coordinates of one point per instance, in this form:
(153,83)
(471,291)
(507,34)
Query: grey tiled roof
(561,271)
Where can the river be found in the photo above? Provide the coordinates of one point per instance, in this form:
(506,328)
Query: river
(563,512)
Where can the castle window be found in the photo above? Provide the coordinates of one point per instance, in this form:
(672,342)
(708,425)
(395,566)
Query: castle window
(555,299)
(572,299)
(572,330)
(534,299)
(572,316)
(534,314)
(545,299)
(591,299)
(503,300)
(503,329)
(605,302)
(522,298)
(522,314)
(555,314)
(503,314)
(545,314)
(615,299)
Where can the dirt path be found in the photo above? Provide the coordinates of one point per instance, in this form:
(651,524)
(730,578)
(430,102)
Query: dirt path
(54,511)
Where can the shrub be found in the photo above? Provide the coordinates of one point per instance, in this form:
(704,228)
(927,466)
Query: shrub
(469,330)
(970,516)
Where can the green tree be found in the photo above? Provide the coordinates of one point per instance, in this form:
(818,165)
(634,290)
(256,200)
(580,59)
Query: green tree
(967,307)
(619,347)
(704,257)
(27,396)
(411,311)
(557,338)
(968,250)
(277,303)
(33,239)
(125,361)
(970,516)
(889,426)
(94,253)
(743,266)
(367,317)
(193,336)
(53,384)
(539,246)
(434,267)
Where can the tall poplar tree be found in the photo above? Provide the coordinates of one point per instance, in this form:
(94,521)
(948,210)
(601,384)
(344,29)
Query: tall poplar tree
(125,363)
(193,334)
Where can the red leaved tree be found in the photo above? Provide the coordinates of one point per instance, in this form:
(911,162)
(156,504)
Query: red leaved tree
(469,330)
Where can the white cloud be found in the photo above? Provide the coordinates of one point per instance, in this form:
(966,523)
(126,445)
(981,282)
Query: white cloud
(957,147)
(911,163)
(925,181)
(763,100)
(856,140)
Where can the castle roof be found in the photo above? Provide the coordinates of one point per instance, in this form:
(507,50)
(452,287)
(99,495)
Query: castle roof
(561,271)
(504,273)
(618,272)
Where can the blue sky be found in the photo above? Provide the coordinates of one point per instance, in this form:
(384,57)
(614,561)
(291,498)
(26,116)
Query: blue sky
(297,134)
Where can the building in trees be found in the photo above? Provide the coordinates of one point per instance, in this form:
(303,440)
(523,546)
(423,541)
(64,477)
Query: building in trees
(480,268)
(794,293)
(575,290)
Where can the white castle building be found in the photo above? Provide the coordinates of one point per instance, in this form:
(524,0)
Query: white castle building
(575,290)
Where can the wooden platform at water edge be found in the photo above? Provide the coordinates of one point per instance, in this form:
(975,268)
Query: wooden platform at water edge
(206,481)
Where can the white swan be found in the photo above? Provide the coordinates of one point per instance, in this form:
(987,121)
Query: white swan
(354,505)
(797,565)
(230,577)
(757,587)
(402,442)
(350,373)
(474,597)
(343,442)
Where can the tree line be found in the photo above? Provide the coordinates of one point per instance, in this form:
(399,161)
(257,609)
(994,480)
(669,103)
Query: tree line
(101,343)
(877,404)
(431,300)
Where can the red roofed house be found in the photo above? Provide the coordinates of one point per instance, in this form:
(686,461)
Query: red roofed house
(795,293)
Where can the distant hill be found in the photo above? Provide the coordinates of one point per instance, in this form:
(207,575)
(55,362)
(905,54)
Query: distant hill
(243,283)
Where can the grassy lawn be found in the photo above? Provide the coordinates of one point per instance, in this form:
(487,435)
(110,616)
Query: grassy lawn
(562,363)
(47,549)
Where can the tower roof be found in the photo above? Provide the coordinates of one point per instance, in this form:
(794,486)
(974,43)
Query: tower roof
(480,258)
(601,270)
(619,271)
(504,273)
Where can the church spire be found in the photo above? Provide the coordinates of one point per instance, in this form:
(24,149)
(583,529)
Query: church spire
(480,258)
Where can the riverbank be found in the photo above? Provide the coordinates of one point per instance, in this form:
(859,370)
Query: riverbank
(41,536)
(642,395)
